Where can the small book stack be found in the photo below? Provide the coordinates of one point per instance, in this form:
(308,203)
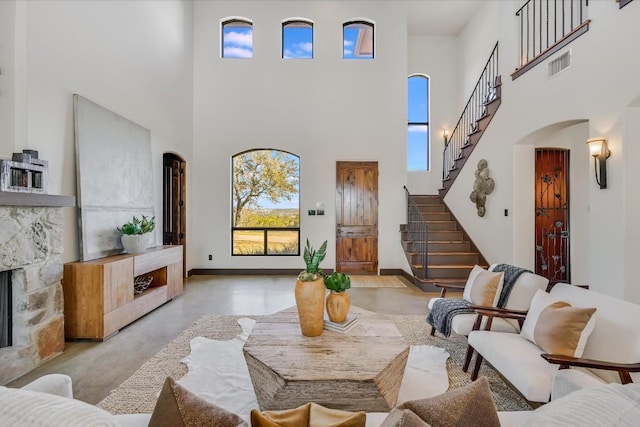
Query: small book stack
(343,327)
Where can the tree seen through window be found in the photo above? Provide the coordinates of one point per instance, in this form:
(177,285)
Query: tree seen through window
(266,208)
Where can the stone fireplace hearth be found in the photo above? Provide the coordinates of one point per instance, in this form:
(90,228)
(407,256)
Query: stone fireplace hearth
(31,247)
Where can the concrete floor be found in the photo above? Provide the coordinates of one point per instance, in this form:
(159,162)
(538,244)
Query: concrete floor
(99,367)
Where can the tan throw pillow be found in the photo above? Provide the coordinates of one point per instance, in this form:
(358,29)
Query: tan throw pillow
(178,407)
(483,287)
(310,414)
(563,330)
(471,405)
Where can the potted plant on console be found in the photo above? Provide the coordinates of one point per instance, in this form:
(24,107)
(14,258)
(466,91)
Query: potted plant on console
(135,234)
(338,300)
(310,292)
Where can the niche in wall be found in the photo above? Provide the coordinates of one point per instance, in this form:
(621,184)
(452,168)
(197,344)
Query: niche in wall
(114,176)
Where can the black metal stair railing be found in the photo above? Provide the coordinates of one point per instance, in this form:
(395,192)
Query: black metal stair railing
(546,26)
(418,232)
(484,92)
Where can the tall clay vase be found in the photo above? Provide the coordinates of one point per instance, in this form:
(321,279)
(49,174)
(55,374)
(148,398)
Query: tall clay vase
(310,303)
(338,304)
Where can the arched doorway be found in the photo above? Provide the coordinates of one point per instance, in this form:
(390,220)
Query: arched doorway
(174,204)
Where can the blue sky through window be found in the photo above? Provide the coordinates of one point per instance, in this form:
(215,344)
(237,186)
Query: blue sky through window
(297,40)
(418,124)
(350,39)
(237,40)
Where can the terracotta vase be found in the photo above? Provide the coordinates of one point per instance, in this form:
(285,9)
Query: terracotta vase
(338,304)
(310,304)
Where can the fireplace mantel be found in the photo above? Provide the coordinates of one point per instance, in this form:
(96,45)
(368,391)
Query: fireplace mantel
(10,198)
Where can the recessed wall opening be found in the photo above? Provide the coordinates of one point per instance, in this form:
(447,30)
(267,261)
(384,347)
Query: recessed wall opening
(6,318)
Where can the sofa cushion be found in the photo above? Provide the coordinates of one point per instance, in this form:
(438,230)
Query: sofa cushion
(518,360)
(462,323)
(604,405)
(309,414)
(26,408)
(616,335)
(403,418)
(178,407)
(556,326)
(483,287)
(469,405)
(524,289)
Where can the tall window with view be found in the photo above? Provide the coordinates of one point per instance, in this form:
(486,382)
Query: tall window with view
(237,38)
(266,203)
(418,123)
(357,40)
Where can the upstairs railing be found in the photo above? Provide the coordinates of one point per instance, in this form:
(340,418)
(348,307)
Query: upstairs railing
(546,26)
(418,231)
(484,92)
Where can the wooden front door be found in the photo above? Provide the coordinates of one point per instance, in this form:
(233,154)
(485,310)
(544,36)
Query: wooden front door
(357,217)
(174,203)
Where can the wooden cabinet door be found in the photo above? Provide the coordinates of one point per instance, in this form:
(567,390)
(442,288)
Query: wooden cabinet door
(357,217)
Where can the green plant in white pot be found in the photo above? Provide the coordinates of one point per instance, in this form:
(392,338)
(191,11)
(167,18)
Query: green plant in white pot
(135,234)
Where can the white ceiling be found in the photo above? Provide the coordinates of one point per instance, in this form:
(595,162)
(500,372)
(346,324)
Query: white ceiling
(439,17)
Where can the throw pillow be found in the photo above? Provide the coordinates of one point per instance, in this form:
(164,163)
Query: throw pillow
(556,326)
(178,407)
(33,408)
(310,414)
(563,330)
(483,287)
(471,405)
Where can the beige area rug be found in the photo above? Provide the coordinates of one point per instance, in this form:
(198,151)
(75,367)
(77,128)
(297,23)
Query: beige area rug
(138,394)
(364,281)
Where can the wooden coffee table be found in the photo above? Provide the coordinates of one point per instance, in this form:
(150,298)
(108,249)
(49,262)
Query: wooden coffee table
(360,370)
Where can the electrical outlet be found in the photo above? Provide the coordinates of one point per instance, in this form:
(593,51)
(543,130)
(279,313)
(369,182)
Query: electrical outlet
(312,212)
(210,257)
(320,211)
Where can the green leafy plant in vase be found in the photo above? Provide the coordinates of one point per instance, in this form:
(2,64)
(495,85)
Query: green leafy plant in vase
(135,234)
(310,291)
(338,300)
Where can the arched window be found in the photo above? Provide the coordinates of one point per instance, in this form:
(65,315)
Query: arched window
(418,123)
(265,203)
(357,40)
(297,39)
(237,38)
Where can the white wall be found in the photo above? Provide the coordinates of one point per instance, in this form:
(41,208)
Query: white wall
(632,204)
(325,109)
(601,82)
(7,79)
(133,57)
(436,57)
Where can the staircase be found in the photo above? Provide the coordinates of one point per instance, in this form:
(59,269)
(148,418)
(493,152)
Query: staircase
(476,116)
(450,253)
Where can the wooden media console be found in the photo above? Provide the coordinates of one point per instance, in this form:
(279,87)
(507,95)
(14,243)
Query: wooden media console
(98,294)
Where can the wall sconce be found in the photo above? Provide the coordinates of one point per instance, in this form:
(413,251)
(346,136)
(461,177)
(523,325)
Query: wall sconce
(600,153)
(445,135)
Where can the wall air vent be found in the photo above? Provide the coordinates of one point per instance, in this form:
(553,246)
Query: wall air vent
(561,63)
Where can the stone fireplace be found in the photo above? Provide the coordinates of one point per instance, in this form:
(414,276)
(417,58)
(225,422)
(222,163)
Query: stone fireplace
(31,248)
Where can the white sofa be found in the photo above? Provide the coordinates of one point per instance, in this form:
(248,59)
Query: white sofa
(612,352)
(519,300)
(55,393)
